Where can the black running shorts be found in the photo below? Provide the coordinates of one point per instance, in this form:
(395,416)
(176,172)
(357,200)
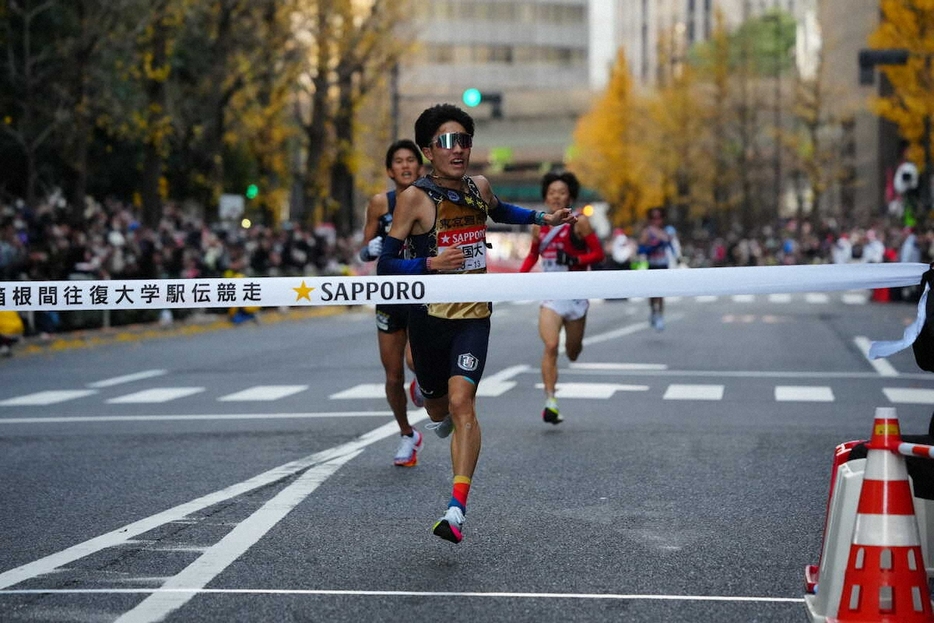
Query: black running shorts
(444,348)
(392,318)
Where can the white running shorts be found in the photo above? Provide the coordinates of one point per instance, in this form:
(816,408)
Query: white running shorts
(571,309)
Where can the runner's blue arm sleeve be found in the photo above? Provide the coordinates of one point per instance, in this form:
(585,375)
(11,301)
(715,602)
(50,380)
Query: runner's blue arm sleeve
(646,249)
(391,262)
(508,213)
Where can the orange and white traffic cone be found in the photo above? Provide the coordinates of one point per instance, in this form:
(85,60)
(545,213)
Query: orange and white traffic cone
(840,456)
(885,580)
(881,295)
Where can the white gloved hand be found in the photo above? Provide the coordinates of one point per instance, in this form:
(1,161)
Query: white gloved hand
(375,247)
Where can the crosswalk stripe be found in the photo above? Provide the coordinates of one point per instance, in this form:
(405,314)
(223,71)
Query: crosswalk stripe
(196,417)
(816,297)
(909,395)
(497,387)
(156,395)
(799,393)
(364,390)
(592,390)
(128,378)
(851,298)
(498,384)
(263,392)
(780,298)
(52,397)
(618,366)
(693,392)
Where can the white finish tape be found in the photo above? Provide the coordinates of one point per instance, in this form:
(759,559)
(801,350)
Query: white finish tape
(911,333)
(325,291)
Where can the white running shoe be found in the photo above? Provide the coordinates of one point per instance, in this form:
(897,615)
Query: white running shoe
(443,428)
(407,454)
(451,526)
(550,413)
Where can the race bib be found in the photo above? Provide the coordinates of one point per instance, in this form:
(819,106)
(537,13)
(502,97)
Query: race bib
(551,265)
(472,244)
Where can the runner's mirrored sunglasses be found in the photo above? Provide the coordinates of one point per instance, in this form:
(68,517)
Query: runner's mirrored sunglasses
(447,141)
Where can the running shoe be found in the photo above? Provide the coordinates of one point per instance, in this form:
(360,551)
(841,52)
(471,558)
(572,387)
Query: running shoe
(407,454)
(550,413)
(451,526)
(415,393)
(443,428)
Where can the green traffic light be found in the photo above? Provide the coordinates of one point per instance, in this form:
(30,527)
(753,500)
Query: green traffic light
(252,191)
(472,97)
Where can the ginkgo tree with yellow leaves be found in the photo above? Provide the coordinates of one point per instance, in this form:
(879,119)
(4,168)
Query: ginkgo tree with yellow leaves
(609,154)
(701,140)
(909,25)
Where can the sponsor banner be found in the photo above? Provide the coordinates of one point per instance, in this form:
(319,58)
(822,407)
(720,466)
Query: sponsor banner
(452,288)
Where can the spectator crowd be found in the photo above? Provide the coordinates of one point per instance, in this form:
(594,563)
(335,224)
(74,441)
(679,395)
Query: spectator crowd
(108,241)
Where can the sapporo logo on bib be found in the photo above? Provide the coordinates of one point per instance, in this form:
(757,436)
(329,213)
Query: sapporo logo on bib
(470,240)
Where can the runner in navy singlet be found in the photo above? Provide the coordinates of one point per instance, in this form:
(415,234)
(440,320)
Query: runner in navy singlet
(403,164)
(443,217)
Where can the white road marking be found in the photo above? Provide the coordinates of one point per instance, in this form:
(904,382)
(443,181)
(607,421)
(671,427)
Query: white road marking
(852,298)
(263,392)
(366,593)
(47,398)
(177,417)
(592,390)
(744,318)
(803,393)
(118,537)
(743,298)
(882,366)
(780,298)
(247,533)
(619,366)
(909,395)
(624,331)
(156,395)
(499,383)
(706,298)
(128,378)
(747,374)
(818,298)
(364,390)
(693,392)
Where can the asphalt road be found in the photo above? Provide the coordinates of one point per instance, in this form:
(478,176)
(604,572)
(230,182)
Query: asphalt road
(246,474)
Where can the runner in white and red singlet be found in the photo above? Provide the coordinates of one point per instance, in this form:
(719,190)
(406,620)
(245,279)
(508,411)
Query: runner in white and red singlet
(561,248)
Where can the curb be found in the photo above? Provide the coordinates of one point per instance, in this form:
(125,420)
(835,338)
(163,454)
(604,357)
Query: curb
(193,325)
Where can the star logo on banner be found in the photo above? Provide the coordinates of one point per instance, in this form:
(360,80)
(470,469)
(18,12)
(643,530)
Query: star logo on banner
(445,239)
(303,292)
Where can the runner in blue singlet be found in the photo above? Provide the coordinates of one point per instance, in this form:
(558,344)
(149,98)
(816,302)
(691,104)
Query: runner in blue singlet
(403,164)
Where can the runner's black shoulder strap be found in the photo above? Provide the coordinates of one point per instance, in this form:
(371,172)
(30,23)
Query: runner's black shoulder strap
(472,198)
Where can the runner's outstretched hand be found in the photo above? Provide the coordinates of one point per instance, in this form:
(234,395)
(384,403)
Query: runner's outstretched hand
(558,217)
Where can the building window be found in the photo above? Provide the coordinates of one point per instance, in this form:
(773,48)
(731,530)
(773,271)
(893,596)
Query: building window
(491,10)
